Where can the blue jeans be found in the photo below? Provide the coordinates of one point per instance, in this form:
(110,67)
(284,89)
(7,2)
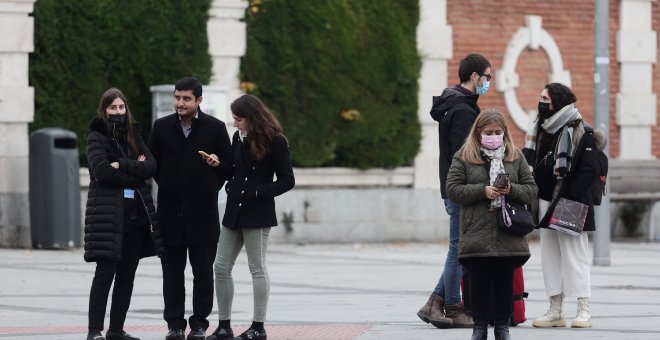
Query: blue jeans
(449,285)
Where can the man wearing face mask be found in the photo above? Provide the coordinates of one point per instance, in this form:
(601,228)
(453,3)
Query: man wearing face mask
(562,154)
(455,111)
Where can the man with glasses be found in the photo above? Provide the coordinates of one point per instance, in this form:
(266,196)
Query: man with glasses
(455,111)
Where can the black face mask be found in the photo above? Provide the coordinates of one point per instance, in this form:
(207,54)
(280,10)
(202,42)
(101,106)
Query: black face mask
(544,111)
(117,119)
(117,126)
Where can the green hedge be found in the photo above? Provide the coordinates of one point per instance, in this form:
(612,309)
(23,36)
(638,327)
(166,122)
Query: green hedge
(341,75)
(84,47)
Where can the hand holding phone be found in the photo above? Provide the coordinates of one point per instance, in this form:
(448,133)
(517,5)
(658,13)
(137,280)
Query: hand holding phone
(210,159)
(501,181)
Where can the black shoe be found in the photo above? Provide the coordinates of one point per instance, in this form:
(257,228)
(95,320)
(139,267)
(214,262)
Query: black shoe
(95,335)
(251,334)
(221,334)
(121,335)
(198,333)
(175,334)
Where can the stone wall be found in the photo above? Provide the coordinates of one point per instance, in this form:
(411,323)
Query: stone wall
(16,111)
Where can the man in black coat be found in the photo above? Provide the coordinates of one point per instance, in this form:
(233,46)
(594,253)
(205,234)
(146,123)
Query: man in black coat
(188,186)
(455,111)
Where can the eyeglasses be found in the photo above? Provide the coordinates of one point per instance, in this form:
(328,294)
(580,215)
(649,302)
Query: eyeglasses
(488,76)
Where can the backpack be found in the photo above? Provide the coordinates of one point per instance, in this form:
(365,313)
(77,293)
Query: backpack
(599,187)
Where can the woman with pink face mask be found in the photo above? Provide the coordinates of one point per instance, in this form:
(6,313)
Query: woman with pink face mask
(489,254)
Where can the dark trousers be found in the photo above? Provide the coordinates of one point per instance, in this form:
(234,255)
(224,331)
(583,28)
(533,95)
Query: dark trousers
(491,279)
(174,289)
(123,273)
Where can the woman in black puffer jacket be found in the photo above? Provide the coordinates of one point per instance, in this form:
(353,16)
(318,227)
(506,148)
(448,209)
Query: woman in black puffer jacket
(120,226)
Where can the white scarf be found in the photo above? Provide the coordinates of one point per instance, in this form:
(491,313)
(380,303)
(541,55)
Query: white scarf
(496,167)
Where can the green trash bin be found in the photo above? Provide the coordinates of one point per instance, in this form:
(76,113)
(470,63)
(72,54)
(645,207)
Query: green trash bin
(54,189)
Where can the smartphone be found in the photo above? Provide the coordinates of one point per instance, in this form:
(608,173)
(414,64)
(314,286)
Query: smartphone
(203,154)
(501,181)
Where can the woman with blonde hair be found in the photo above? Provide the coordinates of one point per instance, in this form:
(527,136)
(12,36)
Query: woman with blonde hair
(489,253)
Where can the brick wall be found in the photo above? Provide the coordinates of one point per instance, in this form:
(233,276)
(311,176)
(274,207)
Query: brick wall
(486,27)
(614,78)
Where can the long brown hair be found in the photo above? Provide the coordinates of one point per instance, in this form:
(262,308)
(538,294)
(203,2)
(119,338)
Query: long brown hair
(471,150)
(262,124)
(106,100)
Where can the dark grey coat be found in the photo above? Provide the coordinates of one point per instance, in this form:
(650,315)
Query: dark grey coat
(479,233)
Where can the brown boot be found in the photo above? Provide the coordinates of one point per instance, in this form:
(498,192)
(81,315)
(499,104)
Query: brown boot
(458,316)
(432,312)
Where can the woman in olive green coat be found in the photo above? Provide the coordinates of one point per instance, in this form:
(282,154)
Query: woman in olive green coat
(489,254)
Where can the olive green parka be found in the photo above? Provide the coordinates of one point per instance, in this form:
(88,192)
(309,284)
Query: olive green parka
(479,233)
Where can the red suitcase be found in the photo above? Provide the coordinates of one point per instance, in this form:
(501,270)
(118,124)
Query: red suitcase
(519,294)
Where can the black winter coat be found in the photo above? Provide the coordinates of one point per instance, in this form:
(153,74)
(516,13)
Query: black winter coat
(188,187)
(455,113)
(579,179)
(104,214)
(251,190)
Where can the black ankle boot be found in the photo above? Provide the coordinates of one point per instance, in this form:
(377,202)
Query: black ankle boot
(502,330)
(479,330)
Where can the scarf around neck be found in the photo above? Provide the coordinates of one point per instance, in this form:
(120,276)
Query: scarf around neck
(562,122)
(496,167)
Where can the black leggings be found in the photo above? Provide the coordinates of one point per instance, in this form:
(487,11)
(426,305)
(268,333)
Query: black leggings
(486,275)
(123,273)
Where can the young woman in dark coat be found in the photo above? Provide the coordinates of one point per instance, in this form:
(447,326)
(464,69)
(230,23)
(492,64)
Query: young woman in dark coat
(119,218)
(563,156)
(259,151)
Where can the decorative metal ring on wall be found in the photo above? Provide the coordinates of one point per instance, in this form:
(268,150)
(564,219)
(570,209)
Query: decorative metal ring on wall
(531,36)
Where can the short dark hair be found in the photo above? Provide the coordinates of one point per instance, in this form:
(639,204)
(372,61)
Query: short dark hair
(560,95)
(473,62)
(189,84)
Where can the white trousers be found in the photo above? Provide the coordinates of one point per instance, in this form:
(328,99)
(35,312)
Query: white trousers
(564,261)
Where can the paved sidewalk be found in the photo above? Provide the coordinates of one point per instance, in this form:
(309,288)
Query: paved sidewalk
(365,292)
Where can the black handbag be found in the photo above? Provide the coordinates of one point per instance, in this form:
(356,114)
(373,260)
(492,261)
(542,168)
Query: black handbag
(514,218)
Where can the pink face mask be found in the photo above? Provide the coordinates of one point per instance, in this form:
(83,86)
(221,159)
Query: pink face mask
(492,142)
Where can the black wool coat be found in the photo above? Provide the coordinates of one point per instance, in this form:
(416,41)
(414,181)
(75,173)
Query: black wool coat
(251,190)
(104,214)
(579,179)
(188,187)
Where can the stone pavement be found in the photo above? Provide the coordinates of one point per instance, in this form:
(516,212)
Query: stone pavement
(349,291)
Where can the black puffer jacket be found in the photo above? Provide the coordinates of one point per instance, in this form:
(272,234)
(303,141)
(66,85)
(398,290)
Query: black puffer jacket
(104,215)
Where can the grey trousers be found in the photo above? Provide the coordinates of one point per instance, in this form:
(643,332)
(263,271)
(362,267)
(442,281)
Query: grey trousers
(230,245)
